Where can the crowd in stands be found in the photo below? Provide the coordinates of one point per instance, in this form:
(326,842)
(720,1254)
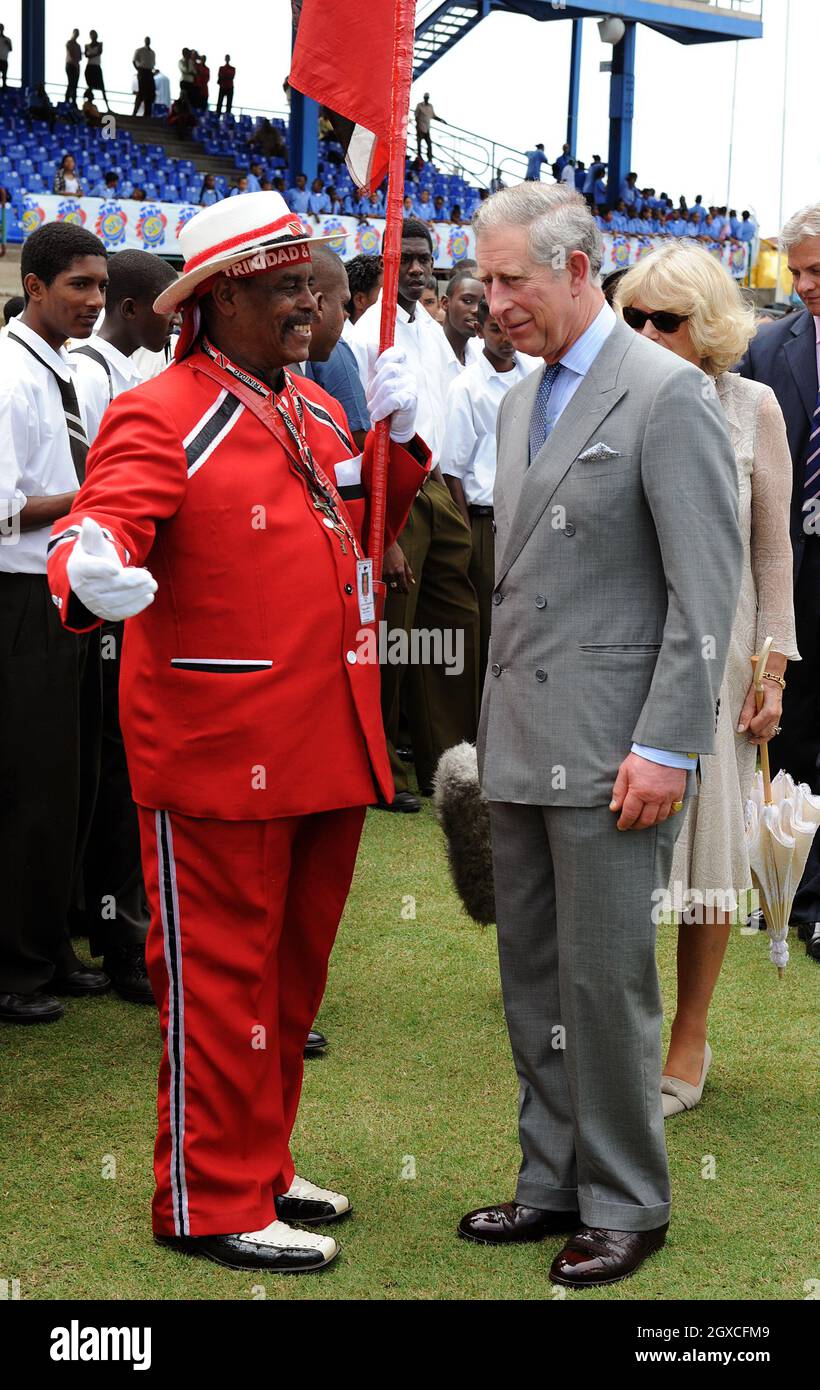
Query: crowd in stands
(638,211)
(260,154)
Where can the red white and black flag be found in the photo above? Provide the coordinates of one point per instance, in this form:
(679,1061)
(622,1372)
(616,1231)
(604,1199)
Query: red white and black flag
(343,58)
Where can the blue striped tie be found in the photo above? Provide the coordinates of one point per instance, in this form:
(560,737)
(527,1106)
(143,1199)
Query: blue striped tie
(540,425)
(811,482)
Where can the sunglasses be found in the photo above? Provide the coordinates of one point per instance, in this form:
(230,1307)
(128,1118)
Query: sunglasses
(660,319)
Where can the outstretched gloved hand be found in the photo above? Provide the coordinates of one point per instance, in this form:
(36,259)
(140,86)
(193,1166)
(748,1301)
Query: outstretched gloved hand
(100,580)
(392,391)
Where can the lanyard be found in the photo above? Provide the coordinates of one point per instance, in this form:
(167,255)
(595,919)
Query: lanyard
(286,406)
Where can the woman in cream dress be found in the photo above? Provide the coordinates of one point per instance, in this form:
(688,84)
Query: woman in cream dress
(698,312)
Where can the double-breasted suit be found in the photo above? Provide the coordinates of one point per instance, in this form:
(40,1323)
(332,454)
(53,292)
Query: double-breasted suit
(784,356)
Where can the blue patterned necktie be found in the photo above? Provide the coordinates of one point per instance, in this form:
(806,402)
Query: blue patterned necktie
(539,422)
(811,482)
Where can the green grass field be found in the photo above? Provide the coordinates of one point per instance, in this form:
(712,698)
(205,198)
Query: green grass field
(418,1081)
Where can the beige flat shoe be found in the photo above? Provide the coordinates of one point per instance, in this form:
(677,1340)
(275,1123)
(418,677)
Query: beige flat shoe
(678,1096)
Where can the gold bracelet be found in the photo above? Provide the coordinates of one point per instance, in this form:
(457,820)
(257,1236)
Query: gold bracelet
(770,676)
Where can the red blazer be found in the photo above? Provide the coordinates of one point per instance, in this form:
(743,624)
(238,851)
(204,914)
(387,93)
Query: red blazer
(241,696)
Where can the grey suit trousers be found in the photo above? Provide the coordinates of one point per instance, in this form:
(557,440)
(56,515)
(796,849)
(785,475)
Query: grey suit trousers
(576,943)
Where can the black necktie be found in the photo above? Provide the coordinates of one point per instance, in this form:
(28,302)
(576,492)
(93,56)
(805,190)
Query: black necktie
(77,437)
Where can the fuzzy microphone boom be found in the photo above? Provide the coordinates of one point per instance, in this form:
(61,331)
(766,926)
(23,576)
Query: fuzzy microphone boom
(464,816)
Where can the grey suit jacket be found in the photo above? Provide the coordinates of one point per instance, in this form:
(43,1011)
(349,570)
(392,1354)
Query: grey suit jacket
(617,577)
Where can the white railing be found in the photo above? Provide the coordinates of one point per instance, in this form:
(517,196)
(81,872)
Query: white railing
(751,9)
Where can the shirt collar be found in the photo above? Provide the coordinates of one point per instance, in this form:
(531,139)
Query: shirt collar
(580,357)
(118,360)
(419,315)
(817,330)
(59,362)
(489,371)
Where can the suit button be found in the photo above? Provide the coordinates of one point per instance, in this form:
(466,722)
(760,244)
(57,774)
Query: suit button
(496,669)
(569,529)
(498,598)
(351,656)
(540,601)
(348,588)
(540,675)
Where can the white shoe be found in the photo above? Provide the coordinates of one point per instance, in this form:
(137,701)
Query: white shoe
(311,1205)
(279,1236)
(677,1095)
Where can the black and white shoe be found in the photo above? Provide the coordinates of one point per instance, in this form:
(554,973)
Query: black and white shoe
(277,1249)
(311,1205)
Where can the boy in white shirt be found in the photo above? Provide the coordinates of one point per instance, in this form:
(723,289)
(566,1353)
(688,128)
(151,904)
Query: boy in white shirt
(111,868)
(105,363)
(48,677)
(468,453)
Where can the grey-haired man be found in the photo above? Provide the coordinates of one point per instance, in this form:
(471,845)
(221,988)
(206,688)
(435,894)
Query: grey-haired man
(613,605)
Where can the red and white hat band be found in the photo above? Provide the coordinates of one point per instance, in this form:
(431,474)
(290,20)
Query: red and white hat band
(289,224)
(269,257)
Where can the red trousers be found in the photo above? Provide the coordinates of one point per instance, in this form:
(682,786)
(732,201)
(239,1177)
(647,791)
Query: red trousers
(243,919)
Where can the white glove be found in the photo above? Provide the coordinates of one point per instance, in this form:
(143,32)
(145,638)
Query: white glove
(100,580)
(392,391)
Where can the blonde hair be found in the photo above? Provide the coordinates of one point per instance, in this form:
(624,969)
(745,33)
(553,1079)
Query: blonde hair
(689,280)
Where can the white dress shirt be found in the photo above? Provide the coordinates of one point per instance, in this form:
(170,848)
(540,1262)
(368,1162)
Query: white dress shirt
(94,380)
(468,451)
(454,365)
(424,343)
(574,366)
(35,453)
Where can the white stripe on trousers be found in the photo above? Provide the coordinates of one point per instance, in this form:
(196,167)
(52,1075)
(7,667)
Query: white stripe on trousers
(169,912)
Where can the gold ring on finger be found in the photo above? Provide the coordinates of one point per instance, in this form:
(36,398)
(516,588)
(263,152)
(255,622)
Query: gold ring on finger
(677,806)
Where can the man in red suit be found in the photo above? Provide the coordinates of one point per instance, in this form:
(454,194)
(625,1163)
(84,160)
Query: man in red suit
(223,515)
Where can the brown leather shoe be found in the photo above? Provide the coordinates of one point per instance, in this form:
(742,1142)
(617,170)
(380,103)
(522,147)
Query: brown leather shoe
(596,1256)
(511,1222)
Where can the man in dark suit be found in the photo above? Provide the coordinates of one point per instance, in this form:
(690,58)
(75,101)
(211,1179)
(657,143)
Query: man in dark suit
(786,356)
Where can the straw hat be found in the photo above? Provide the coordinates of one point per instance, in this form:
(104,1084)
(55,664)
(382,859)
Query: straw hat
(245,235)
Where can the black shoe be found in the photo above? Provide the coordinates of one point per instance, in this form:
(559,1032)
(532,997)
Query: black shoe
(316,1043)
(30,1008)
(813,942)
(126,966)
(308,1253)
(82,982)
(803,929)
(511,1223)
(594,1256)
(402,801)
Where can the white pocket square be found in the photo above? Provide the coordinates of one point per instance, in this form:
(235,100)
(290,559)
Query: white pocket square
(597,453)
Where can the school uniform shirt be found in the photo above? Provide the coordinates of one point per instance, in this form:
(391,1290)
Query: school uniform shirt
(454,366)
(428,356)
(35,453)
(318,203)
(254,186)
(99,386)
(468,451)
(297,199)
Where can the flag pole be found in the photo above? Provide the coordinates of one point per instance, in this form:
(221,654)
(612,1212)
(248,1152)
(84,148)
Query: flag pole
(401,82)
